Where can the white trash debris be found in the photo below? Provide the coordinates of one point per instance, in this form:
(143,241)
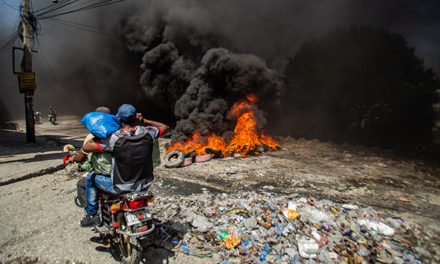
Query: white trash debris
(376,226)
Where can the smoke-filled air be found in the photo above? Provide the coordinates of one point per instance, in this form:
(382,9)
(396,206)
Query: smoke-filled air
(189,62)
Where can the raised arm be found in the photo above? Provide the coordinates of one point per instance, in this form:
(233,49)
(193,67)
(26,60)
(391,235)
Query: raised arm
(163,128)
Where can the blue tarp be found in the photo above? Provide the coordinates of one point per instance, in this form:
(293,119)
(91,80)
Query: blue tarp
(101,125)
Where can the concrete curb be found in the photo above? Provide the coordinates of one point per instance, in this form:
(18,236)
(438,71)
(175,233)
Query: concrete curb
(34,174)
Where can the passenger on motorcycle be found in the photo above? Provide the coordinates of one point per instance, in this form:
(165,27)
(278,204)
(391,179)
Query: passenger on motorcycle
(96,161)
(132,168)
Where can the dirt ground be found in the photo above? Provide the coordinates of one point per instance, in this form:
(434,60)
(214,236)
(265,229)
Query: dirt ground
(368,176)
(39,222)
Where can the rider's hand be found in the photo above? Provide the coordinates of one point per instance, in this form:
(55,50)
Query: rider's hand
(67,159)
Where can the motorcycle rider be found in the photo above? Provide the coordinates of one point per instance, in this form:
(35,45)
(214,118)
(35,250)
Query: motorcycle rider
(82,157)
(52,115)
(132,169)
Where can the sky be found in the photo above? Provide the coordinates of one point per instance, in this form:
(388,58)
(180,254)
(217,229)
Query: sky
(77,69)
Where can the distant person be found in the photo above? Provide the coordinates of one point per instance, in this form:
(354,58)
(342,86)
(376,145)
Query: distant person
(52,115)
(37,117)
(132,166)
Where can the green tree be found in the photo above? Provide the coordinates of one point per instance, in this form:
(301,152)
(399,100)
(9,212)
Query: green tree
(360,85)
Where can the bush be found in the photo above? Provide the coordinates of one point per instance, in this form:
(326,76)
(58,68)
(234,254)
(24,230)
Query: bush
(360,85)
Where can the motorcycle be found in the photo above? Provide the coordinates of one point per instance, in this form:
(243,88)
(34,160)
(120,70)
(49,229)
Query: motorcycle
(52,118)
(125,221)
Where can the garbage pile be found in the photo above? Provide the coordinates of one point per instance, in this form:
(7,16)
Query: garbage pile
(252,227)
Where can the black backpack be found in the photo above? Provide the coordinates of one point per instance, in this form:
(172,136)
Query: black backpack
(133,163)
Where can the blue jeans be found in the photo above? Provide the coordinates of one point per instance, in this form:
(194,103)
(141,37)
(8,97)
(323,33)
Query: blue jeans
(93,182)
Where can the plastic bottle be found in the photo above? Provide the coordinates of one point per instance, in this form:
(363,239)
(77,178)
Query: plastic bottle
(266,251)
(185,249)
(270,205)
(296,258)
(279,229)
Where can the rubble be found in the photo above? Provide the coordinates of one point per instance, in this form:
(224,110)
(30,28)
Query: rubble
(264,227)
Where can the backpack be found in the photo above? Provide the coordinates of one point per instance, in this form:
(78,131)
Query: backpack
(133,165)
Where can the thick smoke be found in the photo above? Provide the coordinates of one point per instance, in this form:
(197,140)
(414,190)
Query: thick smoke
(187,73)
(166,74)
(78,70)
(222,79)
(201,58)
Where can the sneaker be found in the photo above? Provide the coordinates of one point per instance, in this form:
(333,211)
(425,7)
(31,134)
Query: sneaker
(90,220)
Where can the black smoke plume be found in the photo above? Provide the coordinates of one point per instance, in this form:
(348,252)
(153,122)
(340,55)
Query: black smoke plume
(222,79)
(183,70)
(78,70)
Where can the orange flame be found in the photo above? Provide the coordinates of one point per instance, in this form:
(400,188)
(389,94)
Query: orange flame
(245,140)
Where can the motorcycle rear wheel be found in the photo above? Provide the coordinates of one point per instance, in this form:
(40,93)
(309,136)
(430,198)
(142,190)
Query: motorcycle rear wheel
(129,248)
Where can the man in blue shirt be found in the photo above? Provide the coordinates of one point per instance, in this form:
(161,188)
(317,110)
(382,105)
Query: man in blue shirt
(132,169)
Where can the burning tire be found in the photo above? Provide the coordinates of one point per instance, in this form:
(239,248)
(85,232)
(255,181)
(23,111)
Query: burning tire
(203,158)
(187,162)
(174,159)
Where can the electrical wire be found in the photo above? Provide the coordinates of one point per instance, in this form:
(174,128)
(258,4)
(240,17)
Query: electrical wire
(52,6)
(74,23)
(69,2)
(82,8)
(82,27)
(55,8)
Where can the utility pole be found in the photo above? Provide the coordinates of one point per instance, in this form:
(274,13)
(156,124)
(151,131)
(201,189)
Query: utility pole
(27,67)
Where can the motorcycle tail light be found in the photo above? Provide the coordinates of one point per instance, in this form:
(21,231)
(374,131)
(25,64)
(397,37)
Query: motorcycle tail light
(150,199)
(135,204)
(142,229)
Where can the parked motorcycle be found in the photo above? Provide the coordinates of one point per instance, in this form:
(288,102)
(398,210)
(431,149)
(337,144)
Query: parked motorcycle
(125,221)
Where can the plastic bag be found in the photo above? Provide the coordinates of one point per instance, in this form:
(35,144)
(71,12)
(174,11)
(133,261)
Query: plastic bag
(232,239)
(101,125)
(290,213)
(316,216)
(376,226)
(307,247)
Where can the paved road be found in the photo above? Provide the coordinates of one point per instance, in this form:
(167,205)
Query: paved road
(39,222)
(20,160)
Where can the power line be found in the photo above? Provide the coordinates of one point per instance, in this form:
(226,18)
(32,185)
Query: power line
(83,8)
(54,8)
(74,23)
(88,7)
(49,6)
(82,27)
